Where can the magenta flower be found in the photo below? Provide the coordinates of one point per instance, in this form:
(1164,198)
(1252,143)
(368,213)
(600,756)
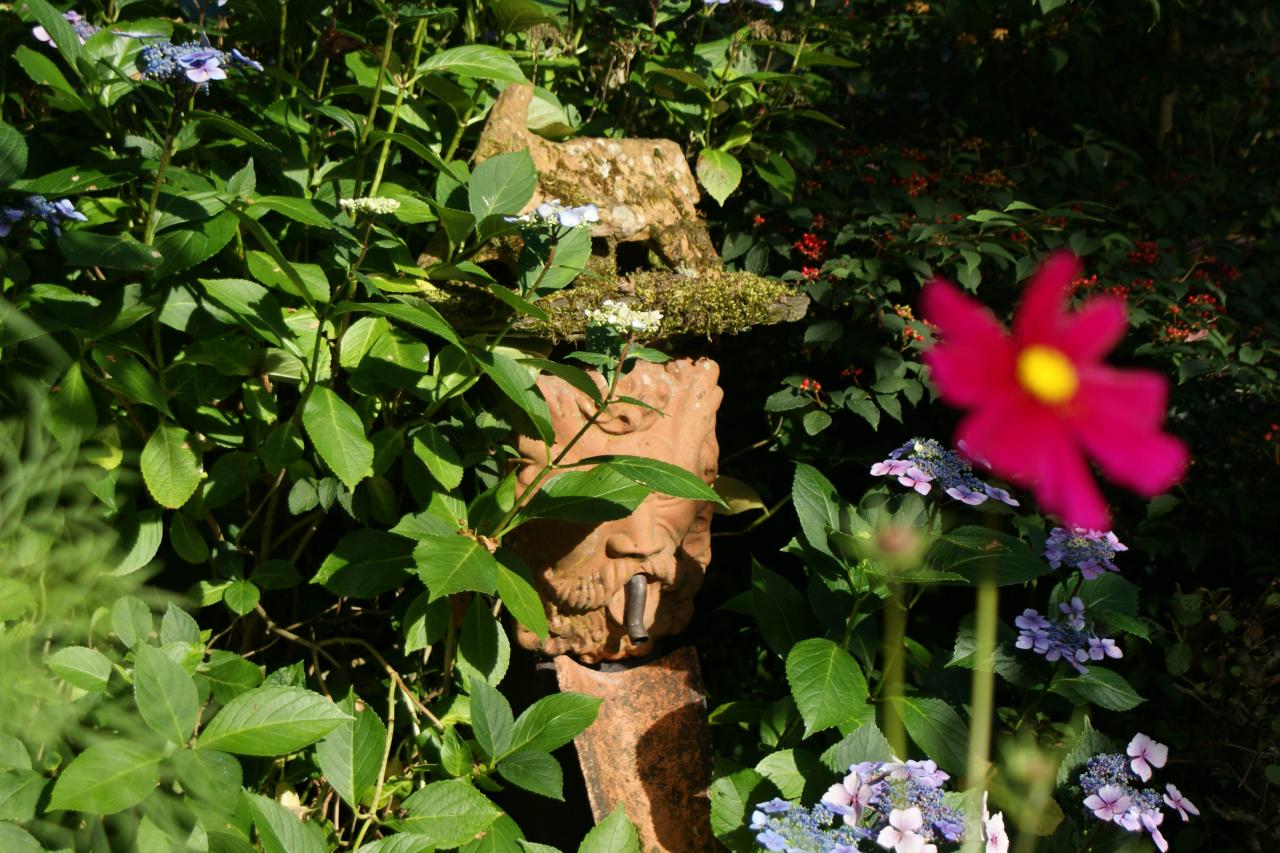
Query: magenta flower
(1179,803)
(1146,753)
(1110,803)
(1042,401)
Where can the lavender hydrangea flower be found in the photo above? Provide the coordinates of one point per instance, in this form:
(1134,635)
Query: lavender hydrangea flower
(1090,551)
(552,212)
(1146,753)
(921,462)
(82,28)
(52,213)
(783,826)
(1066,639)
(1110,784)
(194,62)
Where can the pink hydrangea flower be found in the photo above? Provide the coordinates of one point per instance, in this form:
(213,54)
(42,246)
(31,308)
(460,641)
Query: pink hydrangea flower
(1042,401)
(901,836)
(993,831)
(1146,753)
(1110,803)
(1179,803)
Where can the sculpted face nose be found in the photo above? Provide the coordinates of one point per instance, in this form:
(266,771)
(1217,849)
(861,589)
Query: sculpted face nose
(637,535)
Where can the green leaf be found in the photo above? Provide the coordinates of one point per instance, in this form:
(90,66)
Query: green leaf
(614,834)
(107,778)
(338,435)
(407,309)
(515,588)
(271,721)
(480,61)
(502,185)
(298,209)
(865,743)
(978,552)
(131,620)
(13,753)
(177,626)
(171,465)
(350,756)
(438,455)
(483,648)
(518,383)
(600,494)
(241,596)
(491,718)
(449,563)
(937,729)
(719,172)
(282,831)
(110,251)
(81,667)
(1090,743)
(226,127)
(15,839)
(229,675)
(20,791)
(1100,687)
(817,505)
(140,537)
(798,773)
(449,813)
(186,539)
(826,683)
(553,721)
(366,563)
(781,611)
(44,72)
(252,304)
(13,154)
(64,37)
(733,798)
(534,771)
(183,248)
(166,695)
(71,415)
(659,476)
(425,622)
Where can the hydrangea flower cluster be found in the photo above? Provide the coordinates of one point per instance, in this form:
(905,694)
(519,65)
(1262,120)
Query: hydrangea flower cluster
(83,29)
(1066,638)
(622,318)
(1090,551)
(783,826)
(552,212)
(775,5)
(1110,784)
(899,803)
(195,62)
(38,207)
(370,206)
(921,462)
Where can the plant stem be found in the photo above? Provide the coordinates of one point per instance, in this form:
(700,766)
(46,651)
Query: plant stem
(895,634)
(373,107)
(982,701)
(166,155)
(403,88)
(386,759)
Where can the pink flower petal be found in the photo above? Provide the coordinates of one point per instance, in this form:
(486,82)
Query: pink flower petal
(1118,422)
(974,353)
(1040,317)
(1094,330)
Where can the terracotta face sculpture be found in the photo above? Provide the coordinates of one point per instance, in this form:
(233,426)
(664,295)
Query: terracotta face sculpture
(612,588)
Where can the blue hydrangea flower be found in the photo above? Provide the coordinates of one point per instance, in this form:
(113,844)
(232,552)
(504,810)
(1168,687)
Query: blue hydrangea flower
(1090,551)
(1066,639)
(1113,792)
(921,462)
(552,212)
(53,213)
(791,828)
(194,62)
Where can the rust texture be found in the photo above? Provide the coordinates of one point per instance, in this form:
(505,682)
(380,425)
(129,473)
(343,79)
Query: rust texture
(649,749)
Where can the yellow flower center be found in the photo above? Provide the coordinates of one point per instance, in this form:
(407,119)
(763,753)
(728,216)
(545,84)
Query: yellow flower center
(1047,373)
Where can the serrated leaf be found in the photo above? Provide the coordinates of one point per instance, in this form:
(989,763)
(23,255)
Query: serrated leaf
(826,683)
(241,597)
(817,506)
(131,620)
(719,173)
(662,477)
(553,721)
(502,185)
(452,563)
(614,834)
(515,588)
(483,648)
(165,694)
(491,718)
(338,435)
(978,552)
(435,451)
(448,813)
(271,721)
(937,729)
(733,798)
(184,248)
(13,154)
(480,61)
(107,778)
(71,415)
(171,465)
(366,563)
(534,771)
(20,791)
(1100,687)
(781,612)
(81,667)
(350,756)
(865,743)
(281,831)
(599,494)
(798,773)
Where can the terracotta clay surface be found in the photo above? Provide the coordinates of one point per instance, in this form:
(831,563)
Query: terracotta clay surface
(643,187)
(582,570)
(648,749)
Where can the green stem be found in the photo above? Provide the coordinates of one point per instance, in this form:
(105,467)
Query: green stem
(166,156)
(373,107)
(401,91)
(982,701)
(895,634)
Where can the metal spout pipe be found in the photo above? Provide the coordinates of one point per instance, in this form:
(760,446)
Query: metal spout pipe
(637,591)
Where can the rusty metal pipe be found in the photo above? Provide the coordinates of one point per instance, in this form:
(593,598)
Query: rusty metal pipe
(637,591)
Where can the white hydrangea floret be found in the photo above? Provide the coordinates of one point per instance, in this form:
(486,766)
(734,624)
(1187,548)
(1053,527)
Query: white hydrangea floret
(623,318)
(553,212)
(371,206)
